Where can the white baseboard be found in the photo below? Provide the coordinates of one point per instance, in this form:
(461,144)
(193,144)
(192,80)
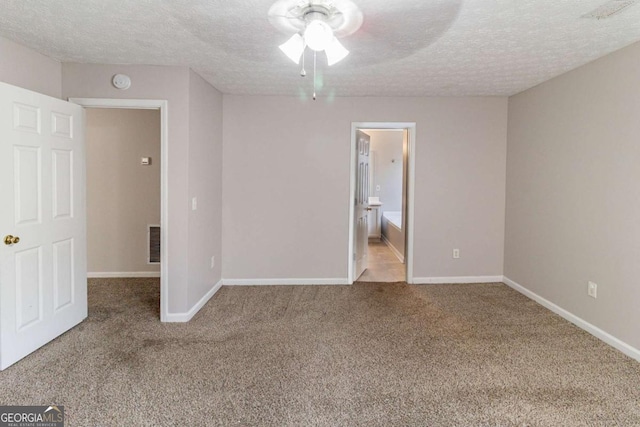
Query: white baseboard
(269,282)
(579,322)
(185,317)
(393,249)
(454,279)
(122,274)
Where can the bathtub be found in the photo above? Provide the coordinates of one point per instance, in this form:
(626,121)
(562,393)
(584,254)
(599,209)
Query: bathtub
(394,218)
(393,233)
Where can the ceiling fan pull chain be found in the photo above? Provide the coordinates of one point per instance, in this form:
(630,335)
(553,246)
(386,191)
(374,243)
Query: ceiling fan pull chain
(314,74)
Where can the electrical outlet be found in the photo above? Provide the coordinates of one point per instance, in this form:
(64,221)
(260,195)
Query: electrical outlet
(456,253)
(592,290)
(213,261)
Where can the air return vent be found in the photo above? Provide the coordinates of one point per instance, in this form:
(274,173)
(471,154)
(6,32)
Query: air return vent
(153,239)
(608,9)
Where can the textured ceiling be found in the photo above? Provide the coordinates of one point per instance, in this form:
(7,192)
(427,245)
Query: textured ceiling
(404,48)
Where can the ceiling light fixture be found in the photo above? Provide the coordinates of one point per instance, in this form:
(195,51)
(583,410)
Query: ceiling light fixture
(316,25)
(318,35)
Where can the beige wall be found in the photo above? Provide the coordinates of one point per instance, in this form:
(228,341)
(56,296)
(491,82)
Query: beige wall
(152,82)
(573,192)
(205,183)
(26,68)
(286,184)
(387,146)
(123,196)
(572,199)
(173,84)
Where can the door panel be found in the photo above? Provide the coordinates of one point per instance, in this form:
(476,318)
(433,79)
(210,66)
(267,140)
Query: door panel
(63,283)
(43,282)
(361,219)
(61,125)
(26,118)
(62,184)
(27,185)
(28,287)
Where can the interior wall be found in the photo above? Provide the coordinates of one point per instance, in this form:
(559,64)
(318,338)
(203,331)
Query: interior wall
(573,198)
(123,196)
(205,183)
(388,168)
(164,83)
(24,67)
(286,184)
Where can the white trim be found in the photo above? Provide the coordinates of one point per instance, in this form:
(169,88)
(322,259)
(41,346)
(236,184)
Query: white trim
(288,282)
(163,106)
(137,104)
(411,192)
(352,192)
(185,317)
(395,251)
(579,322)
(456,280)
(411,179)
(121,274)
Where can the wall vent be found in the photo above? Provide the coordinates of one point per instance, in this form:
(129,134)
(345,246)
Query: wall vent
(608,9)
(153,240)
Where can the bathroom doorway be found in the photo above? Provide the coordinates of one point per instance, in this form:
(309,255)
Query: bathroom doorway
(387,205)
(382,184)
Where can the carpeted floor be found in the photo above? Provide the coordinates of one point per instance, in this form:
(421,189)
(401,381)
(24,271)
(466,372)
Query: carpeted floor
(369,355)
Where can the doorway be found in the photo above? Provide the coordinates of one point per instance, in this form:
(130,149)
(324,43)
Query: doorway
(150,232)
(386,205)
(381,202)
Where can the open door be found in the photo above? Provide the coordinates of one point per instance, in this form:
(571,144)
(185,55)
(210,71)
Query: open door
(361,201)
(43,272)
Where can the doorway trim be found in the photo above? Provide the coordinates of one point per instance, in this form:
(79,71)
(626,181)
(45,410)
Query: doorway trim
(150,104)
(411,175)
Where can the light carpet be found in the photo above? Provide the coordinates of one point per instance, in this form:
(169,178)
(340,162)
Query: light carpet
(374,354)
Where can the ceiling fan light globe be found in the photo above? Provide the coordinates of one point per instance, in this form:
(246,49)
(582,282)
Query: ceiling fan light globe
(335,51)
(318,35)
(293,48)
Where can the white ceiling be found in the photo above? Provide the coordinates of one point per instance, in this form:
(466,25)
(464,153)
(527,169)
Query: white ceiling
(404,48)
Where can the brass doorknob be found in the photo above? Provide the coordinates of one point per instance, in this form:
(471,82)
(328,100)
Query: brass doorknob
(11,240)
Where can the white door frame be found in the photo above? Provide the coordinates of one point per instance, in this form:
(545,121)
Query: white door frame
(411,177)
(150,104)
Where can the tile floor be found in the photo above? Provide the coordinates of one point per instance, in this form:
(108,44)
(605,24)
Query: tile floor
(384,266)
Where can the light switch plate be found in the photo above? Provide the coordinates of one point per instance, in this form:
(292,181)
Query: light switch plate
(145,161)
(194,203)
(592,290)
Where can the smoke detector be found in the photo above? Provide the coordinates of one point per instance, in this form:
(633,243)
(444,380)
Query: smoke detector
(121,81)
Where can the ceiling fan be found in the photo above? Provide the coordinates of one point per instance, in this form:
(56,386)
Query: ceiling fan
(317,25)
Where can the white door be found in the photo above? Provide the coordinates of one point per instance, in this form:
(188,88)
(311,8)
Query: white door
(361,204)
(43,279)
